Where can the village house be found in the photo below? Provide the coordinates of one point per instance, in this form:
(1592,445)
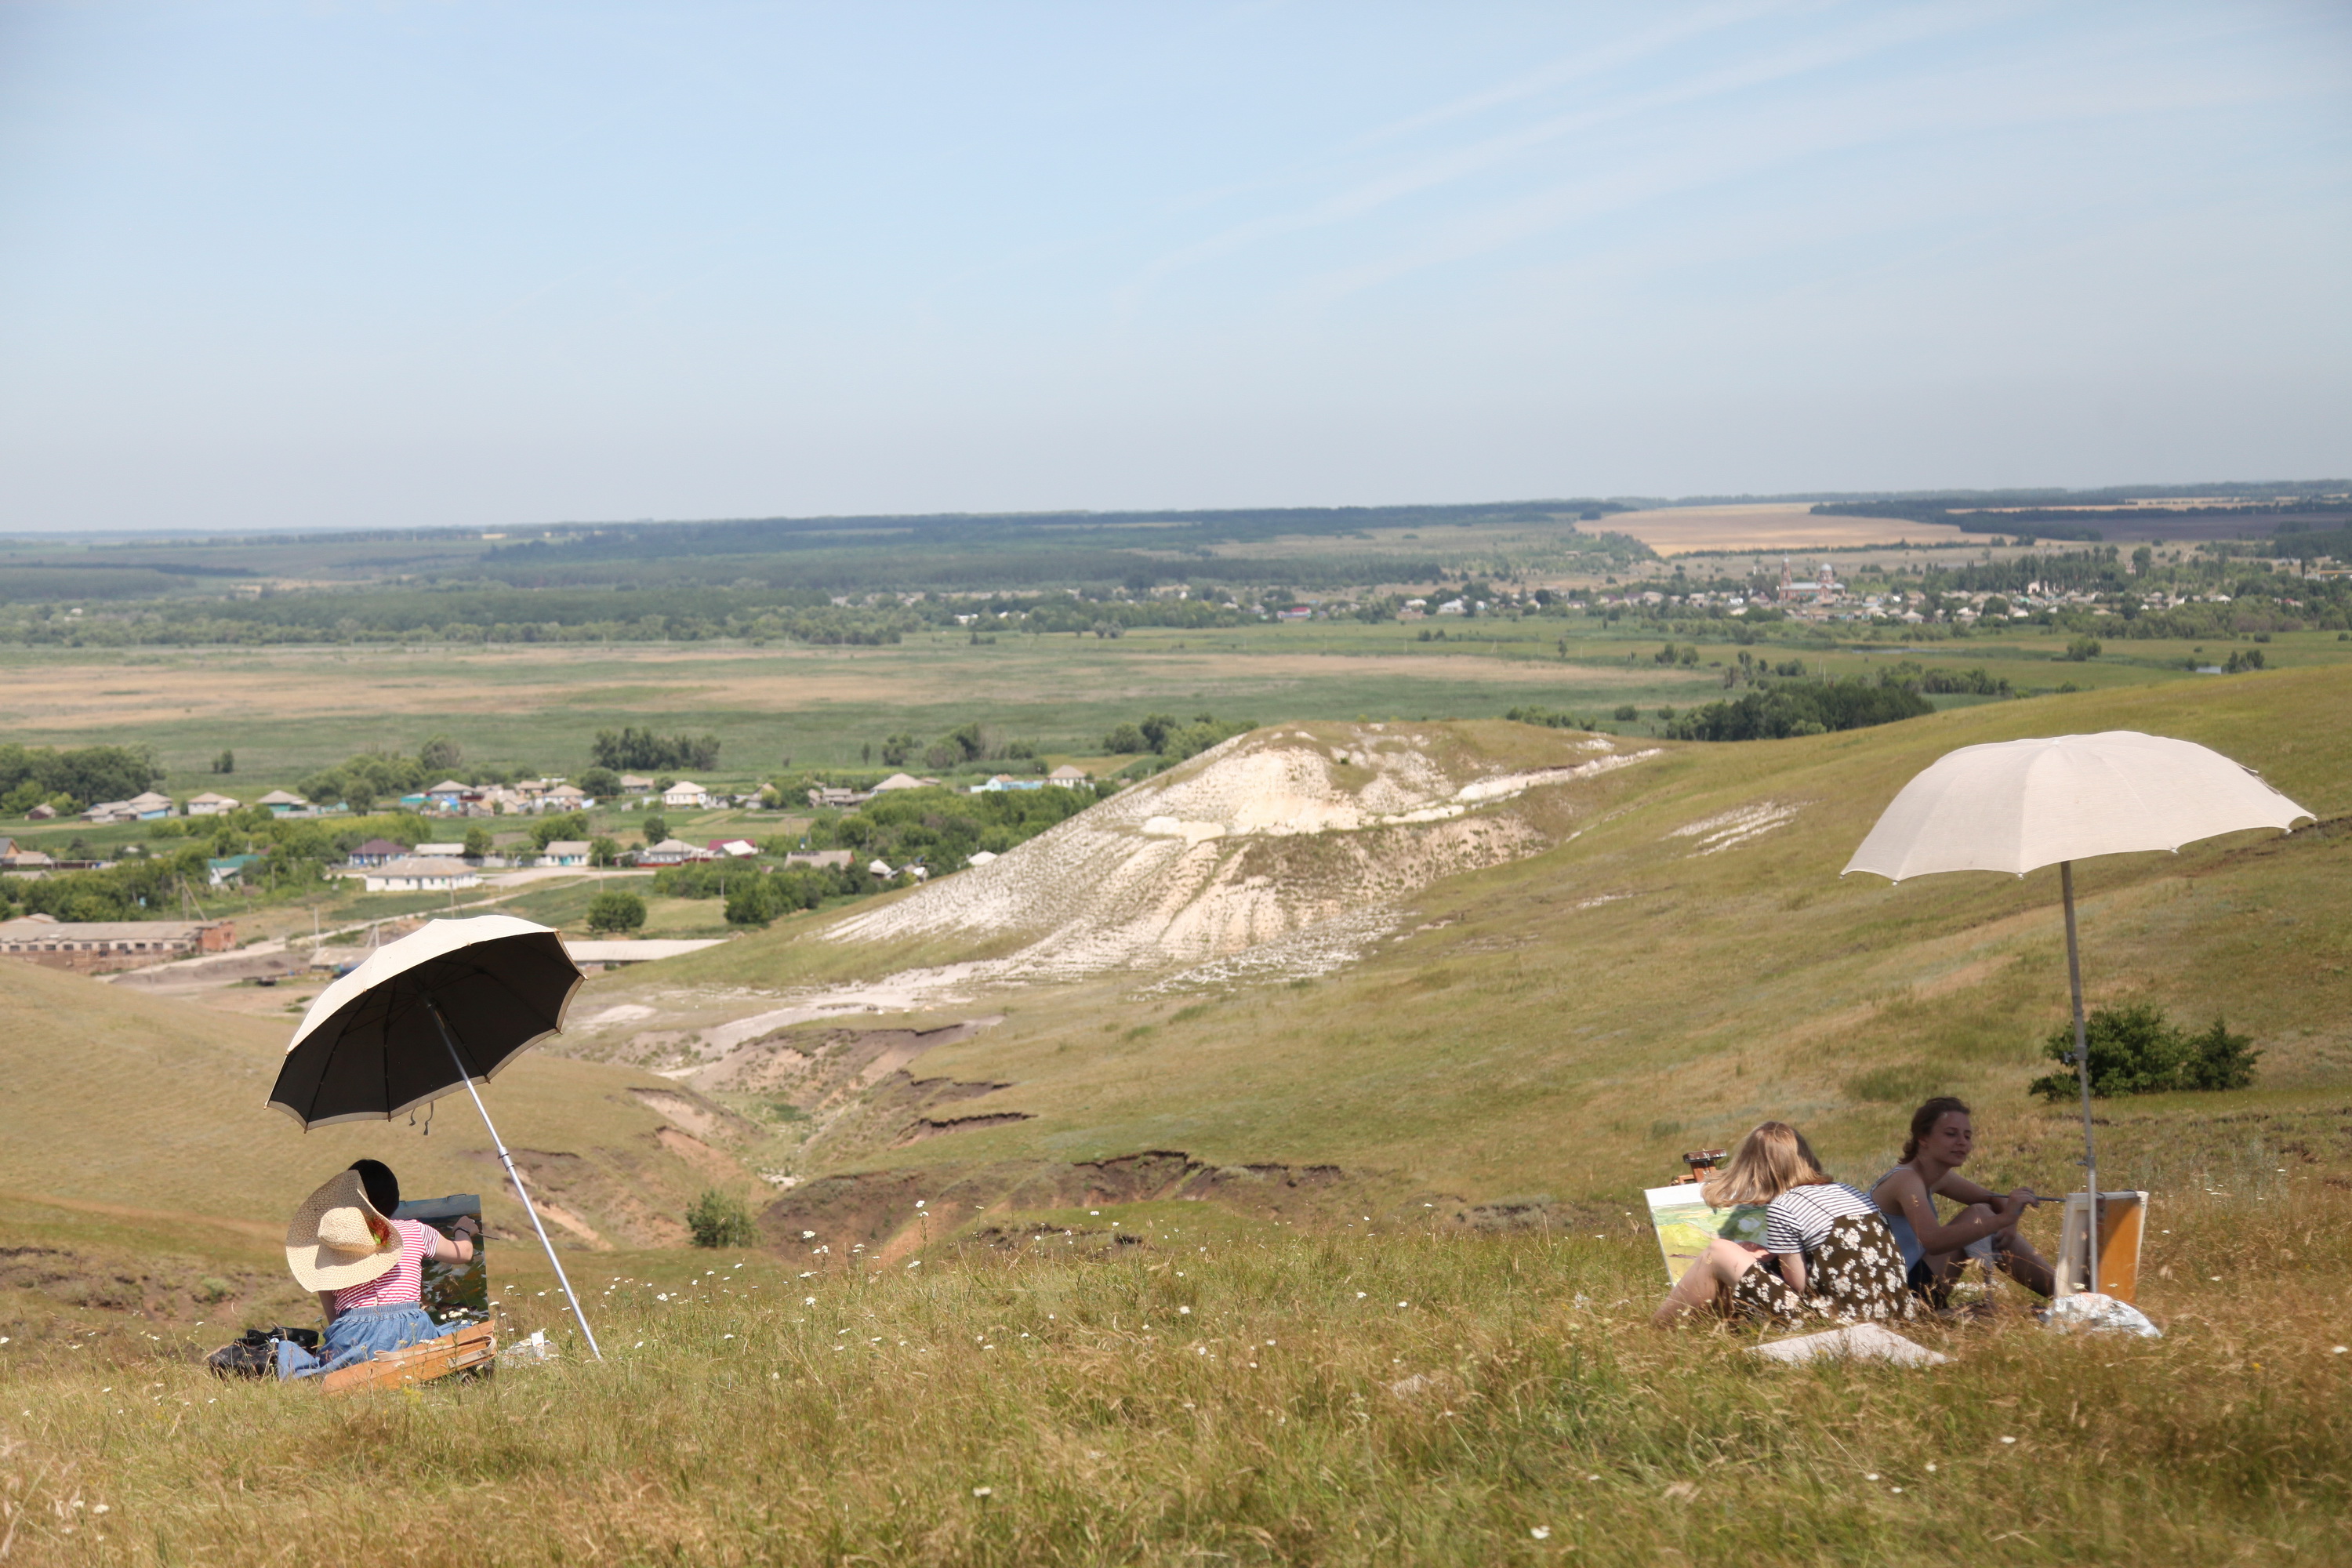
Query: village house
(281,801)
(636,784)
(564,852)
(228,869)
(447,796)
(1070,777)
(422,874)
(733,848)
(375,852)
(95,946)
(821,859)
(211,804)
(822,795)
(146,806)
(565,797)
(902,781)
(451,851)
(686,796)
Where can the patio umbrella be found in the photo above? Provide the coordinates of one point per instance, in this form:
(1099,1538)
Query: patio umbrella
(451,1004)
(2016,805)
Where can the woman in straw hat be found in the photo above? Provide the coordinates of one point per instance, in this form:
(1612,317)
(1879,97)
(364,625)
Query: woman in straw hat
(367,1268)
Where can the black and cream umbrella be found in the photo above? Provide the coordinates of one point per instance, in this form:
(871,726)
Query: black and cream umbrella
(450,1005)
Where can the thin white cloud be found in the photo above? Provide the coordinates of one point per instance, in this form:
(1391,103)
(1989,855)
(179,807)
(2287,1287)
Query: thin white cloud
(1436,171)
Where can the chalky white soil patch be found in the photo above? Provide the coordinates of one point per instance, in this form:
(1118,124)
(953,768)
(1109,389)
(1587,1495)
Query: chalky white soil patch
(1292,848)
(1733,828)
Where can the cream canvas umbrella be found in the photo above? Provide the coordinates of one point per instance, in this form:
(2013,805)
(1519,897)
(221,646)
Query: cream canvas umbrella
(453,1003)
(2016,806)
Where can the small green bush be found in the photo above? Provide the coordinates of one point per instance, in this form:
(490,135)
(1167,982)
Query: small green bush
(719,1220)
(614,909)
(2138,1049)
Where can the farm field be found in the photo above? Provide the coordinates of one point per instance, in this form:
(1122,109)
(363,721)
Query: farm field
(286,712)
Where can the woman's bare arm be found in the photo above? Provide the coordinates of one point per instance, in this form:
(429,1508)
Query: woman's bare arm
(1961,1190)
(1904,1193)
(458,1248)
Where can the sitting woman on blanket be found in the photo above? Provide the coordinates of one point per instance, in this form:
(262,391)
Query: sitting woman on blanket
(1986,1229)
(1832,1258)
(368,1269)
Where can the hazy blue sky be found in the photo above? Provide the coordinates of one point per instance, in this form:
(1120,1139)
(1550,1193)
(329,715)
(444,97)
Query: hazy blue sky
(345,264)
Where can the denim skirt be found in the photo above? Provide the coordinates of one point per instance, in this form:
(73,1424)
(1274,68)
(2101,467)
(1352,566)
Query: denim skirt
(355,1336)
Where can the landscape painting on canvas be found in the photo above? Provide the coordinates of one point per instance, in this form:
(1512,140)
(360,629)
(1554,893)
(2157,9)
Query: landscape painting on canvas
(1686,1224)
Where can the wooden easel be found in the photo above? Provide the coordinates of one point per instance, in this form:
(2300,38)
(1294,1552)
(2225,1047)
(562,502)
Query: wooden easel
(2123,1218)
(471,1347)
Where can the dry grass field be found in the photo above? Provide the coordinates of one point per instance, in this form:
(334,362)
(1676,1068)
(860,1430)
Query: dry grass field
(1770,526)
(289,711)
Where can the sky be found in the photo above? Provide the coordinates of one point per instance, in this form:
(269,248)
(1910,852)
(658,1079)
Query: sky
(329,264)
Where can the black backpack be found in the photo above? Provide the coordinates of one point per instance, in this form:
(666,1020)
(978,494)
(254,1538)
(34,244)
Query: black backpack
(255,1351)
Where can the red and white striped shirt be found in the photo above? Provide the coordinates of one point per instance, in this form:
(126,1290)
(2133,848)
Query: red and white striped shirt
(403,1285)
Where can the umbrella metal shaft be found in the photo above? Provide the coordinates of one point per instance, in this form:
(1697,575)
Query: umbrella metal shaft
(515,1176)
(2082,1072)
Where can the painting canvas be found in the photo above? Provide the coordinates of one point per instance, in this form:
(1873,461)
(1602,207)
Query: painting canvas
(1686,1224)
(454,1292)
(2122,1218)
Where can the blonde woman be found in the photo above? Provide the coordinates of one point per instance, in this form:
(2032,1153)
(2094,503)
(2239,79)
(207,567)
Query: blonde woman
(1831,1255)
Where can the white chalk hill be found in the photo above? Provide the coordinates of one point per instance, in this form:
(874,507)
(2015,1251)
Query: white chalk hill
(1281,852)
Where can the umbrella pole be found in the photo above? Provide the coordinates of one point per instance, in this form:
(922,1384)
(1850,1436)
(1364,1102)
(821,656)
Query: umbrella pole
(515,1177)
(2082,1072)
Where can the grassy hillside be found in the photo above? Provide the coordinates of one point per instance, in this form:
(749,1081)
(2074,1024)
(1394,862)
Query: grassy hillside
(1009,1355)
(1565,1024)
(124,1113)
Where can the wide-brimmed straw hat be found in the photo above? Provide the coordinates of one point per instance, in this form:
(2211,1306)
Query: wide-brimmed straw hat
(330,1243)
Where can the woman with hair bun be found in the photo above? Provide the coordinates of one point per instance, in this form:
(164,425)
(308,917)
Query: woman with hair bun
(1941,1142)
(367,1268)
(1832,1259)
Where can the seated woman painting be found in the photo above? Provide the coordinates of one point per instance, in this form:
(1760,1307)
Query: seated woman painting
(1831,1258)
(1941,1142)
(367,1268)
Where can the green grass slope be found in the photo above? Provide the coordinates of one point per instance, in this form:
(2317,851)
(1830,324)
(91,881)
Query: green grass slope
(152,1112)
(1566,1024)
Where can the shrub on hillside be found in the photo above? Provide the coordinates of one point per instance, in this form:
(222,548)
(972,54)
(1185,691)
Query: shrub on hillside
(1801,706)
(2138,1049)
(1547,718)
(614,909)
(719,1220)
(755,901)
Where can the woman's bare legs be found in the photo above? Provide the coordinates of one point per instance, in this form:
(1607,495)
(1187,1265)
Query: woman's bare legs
(2013,1254)
(1707,1282)
(2022,1263)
